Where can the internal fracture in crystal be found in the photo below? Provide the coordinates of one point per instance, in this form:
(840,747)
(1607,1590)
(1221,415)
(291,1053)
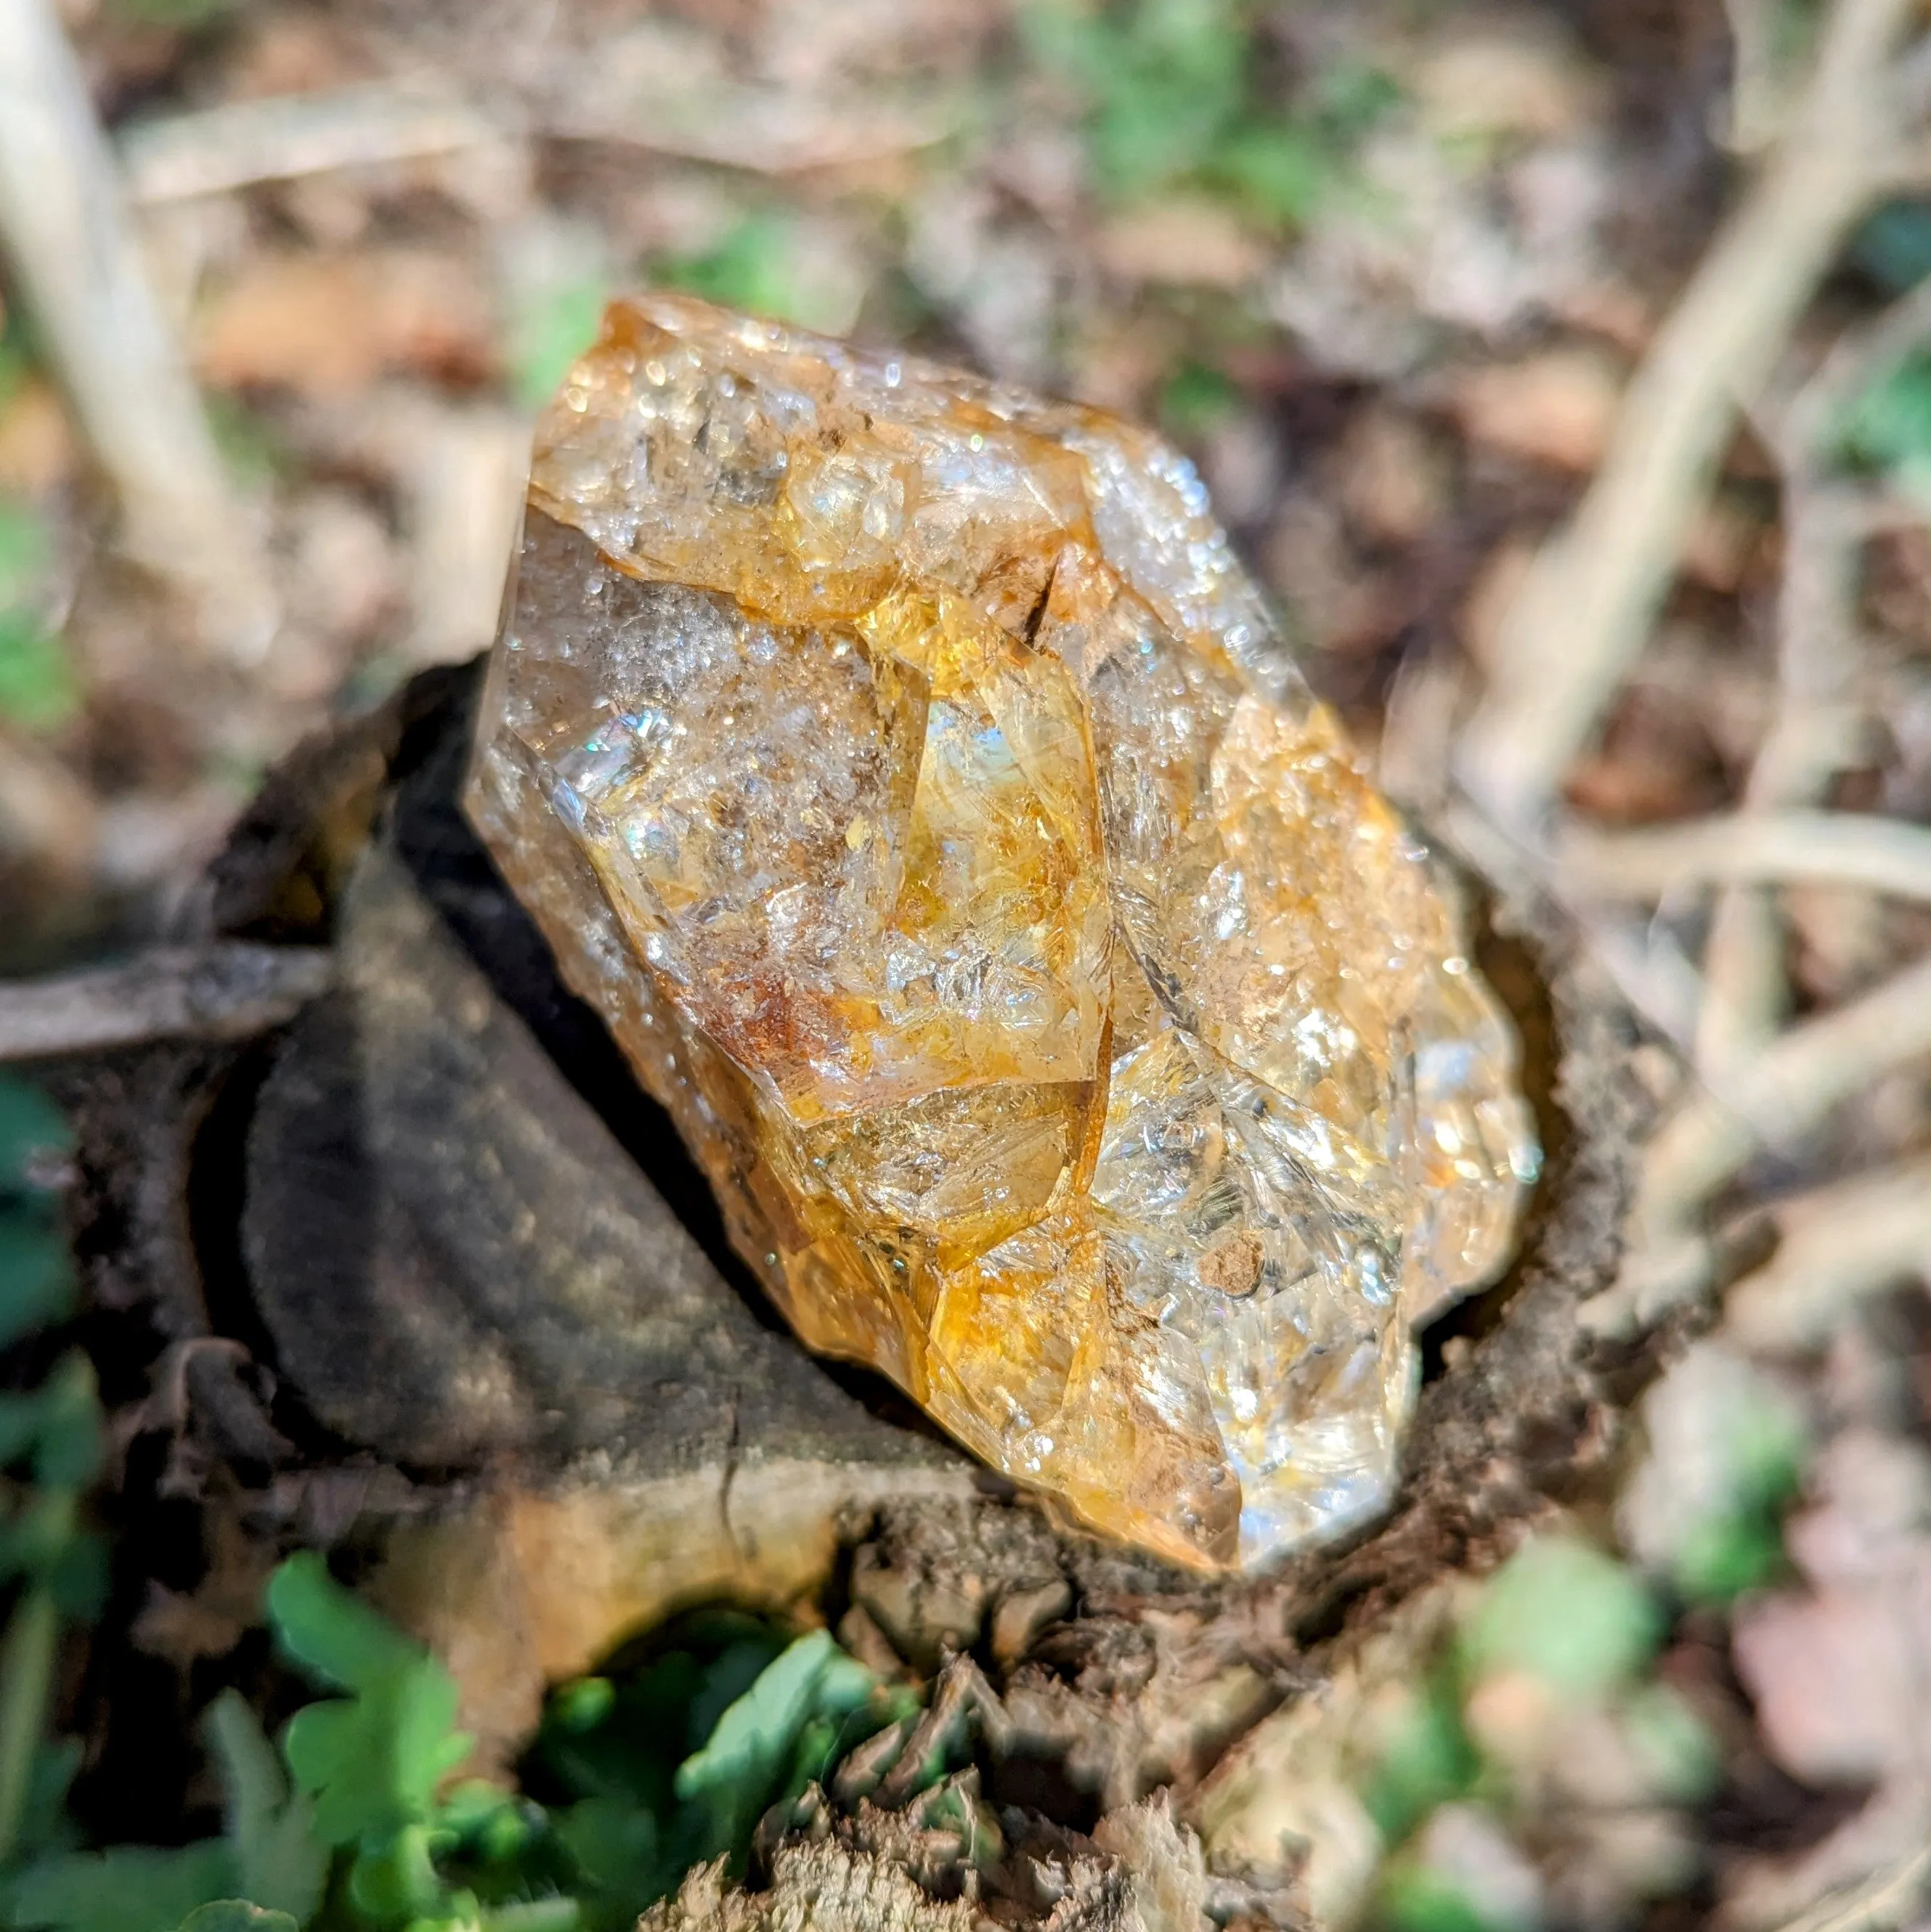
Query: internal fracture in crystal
(908,772)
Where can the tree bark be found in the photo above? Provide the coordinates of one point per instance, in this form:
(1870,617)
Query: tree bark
(403,1279)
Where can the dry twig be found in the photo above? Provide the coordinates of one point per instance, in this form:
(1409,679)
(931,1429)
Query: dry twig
(1814,734)
(1884,1901)
(1836,1245)
(1780,1095)
(240,143)
(221,991)
(1584,611)
(64,225)
(1879,855)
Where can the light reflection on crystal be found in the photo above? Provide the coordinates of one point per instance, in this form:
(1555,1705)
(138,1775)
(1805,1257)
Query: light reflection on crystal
(910,775)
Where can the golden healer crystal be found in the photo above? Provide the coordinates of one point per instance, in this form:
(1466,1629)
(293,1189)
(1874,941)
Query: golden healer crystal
(908,772)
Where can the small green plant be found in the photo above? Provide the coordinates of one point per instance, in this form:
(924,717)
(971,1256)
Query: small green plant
(1565,1615)
(38,689)
(1740,1547)
(356,1824)
(1887,430)
(748,268)
(1893,246)
(552,329)
(1196,399)
(1562,1633)
(49,1450)
(1170,100)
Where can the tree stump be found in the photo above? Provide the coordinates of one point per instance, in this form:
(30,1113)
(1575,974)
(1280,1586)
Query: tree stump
(422,1275)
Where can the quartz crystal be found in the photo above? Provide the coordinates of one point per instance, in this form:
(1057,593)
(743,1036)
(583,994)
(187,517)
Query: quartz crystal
(907,770)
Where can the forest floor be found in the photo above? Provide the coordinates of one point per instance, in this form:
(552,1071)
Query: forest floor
(1415,285)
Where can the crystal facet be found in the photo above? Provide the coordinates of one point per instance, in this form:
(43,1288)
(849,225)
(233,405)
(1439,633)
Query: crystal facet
(907,770)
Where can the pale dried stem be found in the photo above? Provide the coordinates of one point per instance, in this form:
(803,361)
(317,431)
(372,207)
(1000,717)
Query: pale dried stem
(1758,87)
(239,142)
(220,991)
(1649,971)
(1781,1095)
(1817,727)
(1887,1900)
(1853,1239)
(65,229)
(1845,848)
(1814,733)
(1583,613)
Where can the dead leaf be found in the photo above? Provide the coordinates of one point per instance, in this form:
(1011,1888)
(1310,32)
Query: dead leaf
(1393,483)
(1518,81)
(328,324)
(38,455)
(1557,408)
(1185,239)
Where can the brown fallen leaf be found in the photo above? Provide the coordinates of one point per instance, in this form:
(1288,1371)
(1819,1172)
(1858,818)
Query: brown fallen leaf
(328,324)
(1392,481)
(1184,239)
(38,454)
(1555,408)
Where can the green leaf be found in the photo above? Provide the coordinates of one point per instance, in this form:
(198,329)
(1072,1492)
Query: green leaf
(533,1914)
(1565,1613)
(1162,80)
(330,1633)
(36,1274)
(1196,401)
(57,1425)
(1674,1743)
(39,1534)
(1718,1560)
(132,1888)
(749,268)
(398,1879)
(282,1864)
(553,330)
(251,450)
(371,1762)
(1280,171)
(39,691)
(46,1826)
(237,1915)
(25,548)
(1893,247)
(1352,98)
(1427,1759)
(487,1822)
(618,1851)
(738,1772)
(1889,426)
(583,1704)
(77,1577)
(1415,1899)
(33,1136)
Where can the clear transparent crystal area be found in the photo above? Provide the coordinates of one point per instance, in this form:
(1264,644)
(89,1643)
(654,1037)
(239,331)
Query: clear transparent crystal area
(909,773)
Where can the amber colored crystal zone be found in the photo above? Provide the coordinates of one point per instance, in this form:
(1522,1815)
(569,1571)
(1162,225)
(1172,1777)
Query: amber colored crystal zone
(906,769)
